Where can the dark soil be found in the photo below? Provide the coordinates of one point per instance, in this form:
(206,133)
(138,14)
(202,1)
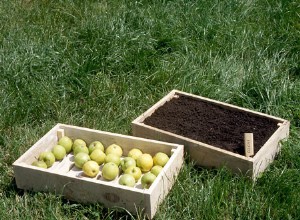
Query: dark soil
(213,124)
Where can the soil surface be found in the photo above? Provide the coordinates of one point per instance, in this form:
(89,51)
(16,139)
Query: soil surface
(213,124)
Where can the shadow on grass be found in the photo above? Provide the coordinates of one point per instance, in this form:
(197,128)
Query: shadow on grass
(68,207)
(11,189)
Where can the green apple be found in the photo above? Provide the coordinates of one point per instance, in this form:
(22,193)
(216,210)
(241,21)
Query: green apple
(59,152)
(127,162)
(90,168)
(110,171)
(135,172)
(78,142)
(95,145)
(147,180)
(156,169)
(98,155)
(113,158)
(80,148)
(48,157)
(135,153)
(114,149)
(160,159)
(66,142)
(81,158)
(127,180)
(39,163)
(145,162)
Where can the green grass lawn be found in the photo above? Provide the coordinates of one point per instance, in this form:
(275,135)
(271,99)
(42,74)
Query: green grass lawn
(100,64)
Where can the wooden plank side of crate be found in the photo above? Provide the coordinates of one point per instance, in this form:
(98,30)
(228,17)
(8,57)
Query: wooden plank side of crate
(152,109)
(268,152)
(166,179)
(203,154)
(83,189)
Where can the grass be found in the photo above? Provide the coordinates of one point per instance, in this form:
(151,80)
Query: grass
(100,64)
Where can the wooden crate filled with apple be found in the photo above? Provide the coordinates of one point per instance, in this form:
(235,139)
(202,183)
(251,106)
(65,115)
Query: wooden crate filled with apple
(87,165)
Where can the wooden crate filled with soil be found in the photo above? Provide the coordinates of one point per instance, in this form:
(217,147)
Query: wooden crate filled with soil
(214,133)
(64,178)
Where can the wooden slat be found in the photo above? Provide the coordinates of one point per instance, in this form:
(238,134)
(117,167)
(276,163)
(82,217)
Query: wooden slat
(267,153)
(162,101)
(201,153)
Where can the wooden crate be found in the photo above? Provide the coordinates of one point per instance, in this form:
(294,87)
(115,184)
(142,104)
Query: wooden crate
(63,177)
(210,156)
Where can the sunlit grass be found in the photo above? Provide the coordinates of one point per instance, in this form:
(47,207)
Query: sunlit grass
(100,64)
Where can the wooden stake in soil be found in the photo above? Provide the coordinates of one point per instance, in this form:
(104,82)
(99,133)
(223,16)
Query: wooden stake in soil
(248,144)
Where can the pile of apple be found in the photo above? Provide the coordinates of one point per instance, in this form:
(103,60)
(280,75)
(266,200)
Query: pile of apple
(132,167)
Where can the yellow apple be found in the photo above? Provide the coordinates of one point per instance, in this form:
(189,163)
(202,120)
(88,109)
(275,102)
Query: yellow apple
(156,169)
(78,142)
(66,142)
(39,163)
(90,168)
(110,171)
(113,158)
(135,153)
(145,162)
(114,149)
(80,148)
(147,180)
(95,145)
(98,155)
(127,162)
(48,157)
(135,172)
(80,159)
(160,159)
(59,152)
(127,180)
